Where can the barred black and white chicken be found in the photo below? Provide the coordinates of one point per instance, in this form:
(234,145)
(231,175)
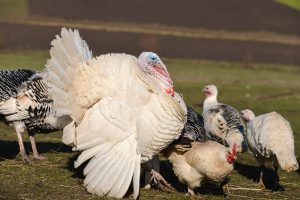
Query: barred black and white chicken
(25,104)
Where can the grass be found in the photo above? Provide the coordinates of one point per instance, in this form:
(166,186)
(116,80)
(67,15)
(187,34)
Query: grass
(261,87)
(13,8)
(295,4)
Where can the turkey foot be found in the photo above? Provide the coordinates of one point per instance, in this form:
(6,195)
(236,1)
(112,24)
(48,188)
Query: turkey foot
(24,157)
(38,157)
(159,181)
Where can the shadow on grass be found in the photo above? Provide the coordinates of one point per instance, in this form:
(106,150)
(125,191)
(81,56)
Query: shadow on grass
(10,149)
(270,178)
(165,170)
(298,171)
(77,172)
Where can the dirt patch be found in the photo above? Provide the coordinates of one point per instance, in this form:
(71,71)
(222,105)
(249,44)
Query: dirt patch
(19,36)
(233,15)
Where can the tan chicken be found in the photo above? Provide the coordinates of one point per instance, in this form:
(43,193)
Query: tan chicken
(209,161)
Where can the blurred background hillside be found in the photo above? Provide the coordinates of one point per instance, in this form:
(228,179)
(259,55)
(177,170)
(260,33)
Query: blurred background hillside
(249,48)
(265,31)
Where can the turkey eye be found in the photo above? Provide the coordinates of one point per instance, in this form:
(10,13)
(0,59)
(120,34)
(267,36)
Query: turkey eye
(153,58)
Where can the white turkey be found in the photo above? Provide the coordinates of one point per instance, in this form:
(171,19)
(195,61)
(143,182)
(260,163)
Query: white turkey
(222,122)
(265,136)
(193,131)
(122,109)
(25,104)
(208,161)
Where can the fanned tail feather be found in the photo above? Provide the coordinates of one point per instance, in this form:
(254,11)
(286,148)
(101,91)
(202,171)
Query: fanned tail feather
(110,171)
(67,51)
(69,134)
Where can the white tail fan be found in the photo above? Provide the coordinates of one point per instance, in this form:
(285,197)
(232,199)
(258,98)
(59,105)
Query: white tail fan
(67,52)
(110,171)
(69,134)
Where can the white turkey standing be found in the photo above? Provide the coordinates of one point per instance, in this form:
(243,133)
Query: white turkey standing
(270,137)
(122,110)
(222,122)
(25,103)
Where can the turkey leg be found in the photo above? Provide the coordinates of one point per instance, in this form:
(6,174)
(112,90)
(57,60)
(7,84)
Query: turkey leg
(25,158)
(34,149)
(156,179)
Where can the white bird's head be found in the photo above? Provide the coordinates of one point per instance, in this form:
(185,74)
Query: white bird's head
(247,115)
(151,64)
(210,90)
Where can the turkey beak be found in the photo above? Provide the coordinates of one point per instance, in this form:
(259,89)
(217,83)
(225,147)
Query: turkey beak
(204,90)
(160,69)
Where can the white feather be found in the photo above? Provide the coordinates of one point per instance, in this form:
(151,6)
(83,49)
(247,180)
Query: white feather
(271,135)
(8,107)
(119,120)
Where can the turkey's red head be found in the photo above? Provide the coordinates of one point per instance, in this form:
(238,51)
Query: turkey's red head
(231,157)
(151,64)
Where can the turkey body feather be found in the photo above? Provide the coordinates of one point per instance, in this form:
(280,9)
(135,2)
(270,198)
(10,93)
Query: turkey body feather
(220,120)
(11,80)
(120,119)
(193,130)
(25,103)
(264,136)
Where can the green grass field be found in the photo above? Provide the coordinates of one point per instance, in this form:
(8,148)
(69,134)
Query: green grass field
(261,87)
(291,3)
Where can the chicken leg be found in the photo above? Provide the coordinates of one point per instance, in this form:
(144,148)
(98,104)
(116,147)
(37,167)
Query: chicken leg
(261,182)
